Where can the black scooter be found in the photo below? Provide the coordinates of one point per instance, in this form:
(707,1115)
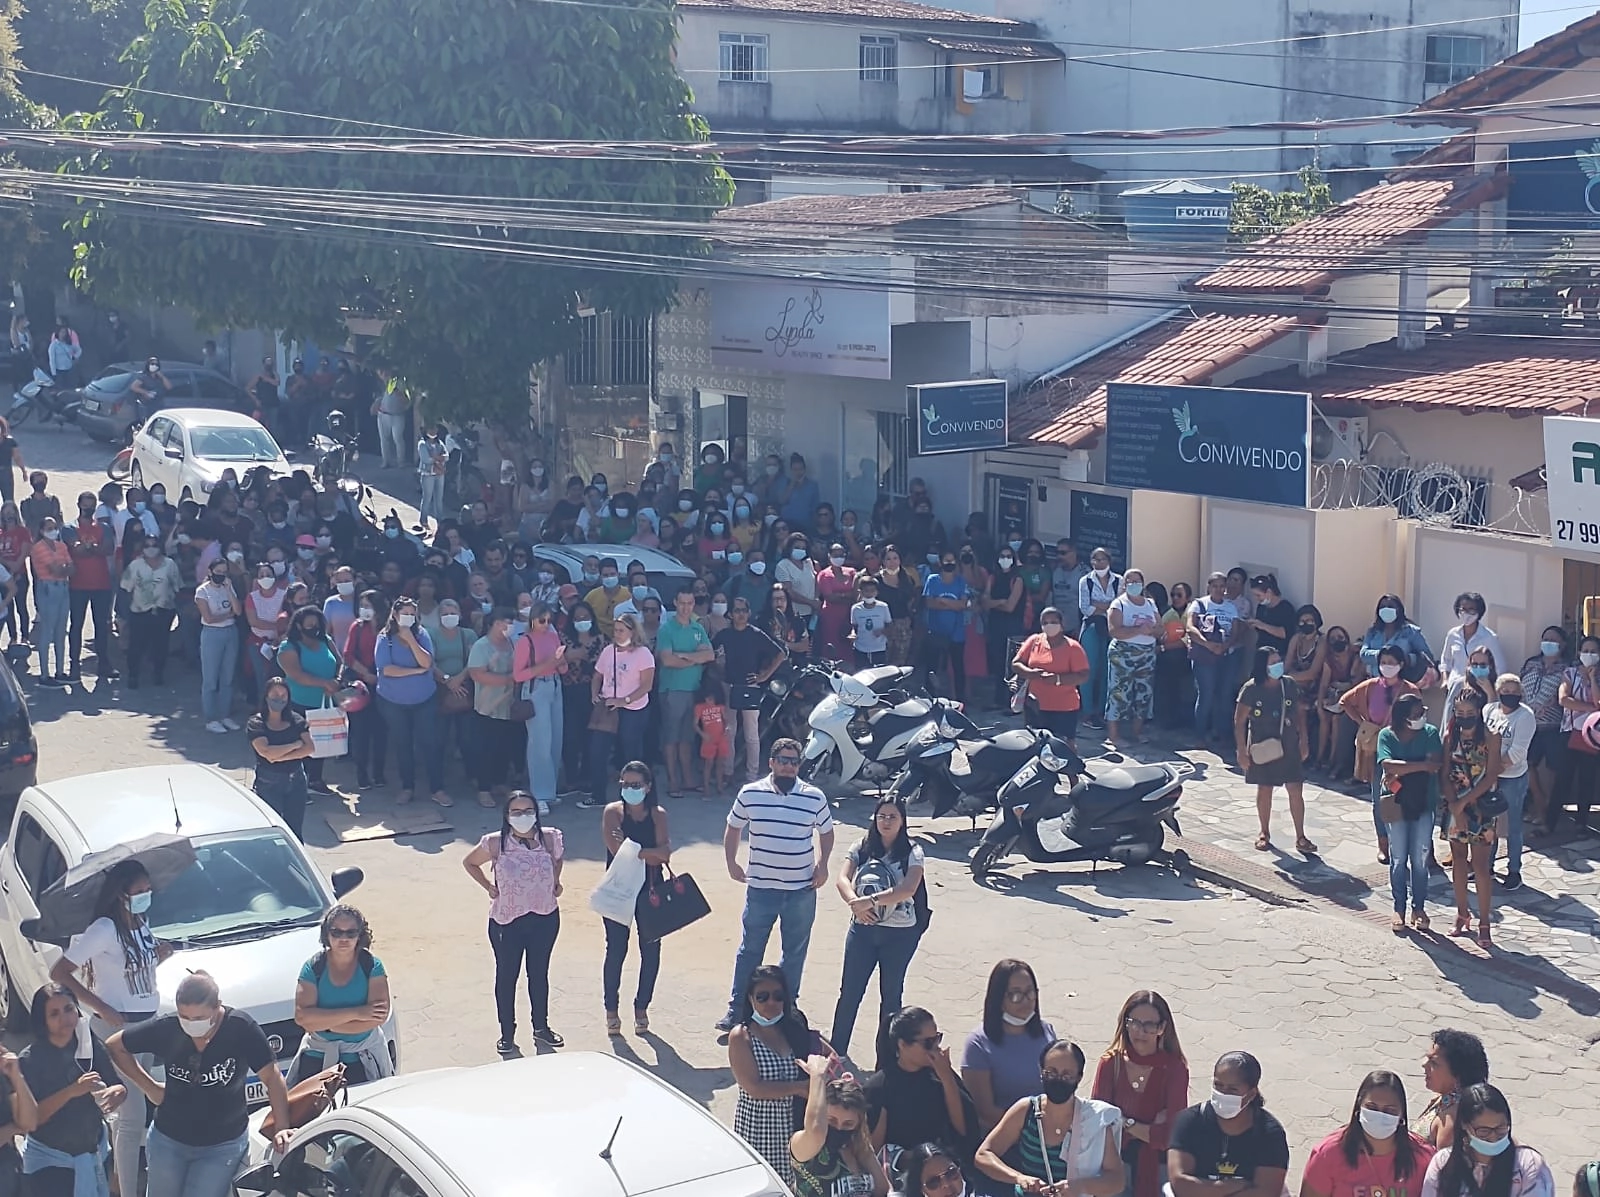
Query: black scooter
(1059,809)
(958,769)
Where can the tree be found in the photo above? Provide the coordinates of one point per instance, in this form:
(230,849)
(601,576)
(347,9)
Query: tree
(82,38)
(1258,212)
(469,306)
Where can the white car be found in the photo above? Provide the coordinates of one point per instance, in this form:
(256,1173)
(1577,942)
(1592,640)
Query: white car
(187,448)
(577,1124)
(247,912)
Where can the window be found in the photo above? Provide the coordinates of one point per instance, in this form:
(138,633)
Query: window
(742,57)
(1452,58)
(980,82)
(38,859)
(878,59)
(613,350)
(338,1162)
(875,458)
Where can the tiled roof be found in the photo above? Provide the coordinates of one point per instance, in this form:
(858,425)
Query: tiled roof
(1353,236)
(1071,411)
(1460,372)
(999,47)
(1522,71)
(804,214)
(870,10)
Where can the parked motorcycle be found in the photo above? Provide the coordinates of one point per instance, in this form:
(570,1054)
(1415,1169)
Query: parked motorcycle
(859,734)
(1059,809)
(333,453)
(44,395)
(464,482)
(793,693)
(959,769)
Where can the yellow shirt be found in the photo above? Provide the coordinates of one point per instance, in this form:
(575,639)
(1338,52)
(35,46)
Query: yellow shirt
(605,603)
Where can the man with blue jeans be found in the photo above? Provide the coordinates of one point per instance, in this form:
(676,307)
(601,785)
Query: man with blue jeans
(780,812)
(1213,623)
(1515,725)
(1410,754)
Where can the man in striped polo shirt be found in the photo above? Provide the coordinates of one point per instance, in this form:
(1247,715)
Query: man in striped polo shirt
(785,871)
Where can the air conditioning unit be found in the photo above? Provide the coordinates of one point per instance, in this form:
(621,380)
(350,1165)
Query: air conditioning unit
(1338,438)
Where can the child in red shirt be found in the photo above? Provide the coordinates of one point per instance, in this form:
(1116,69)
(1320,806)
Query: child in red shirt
(711,723)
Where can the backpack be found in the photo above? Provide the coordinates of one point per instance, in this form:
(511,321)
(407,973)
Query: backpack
(319,963)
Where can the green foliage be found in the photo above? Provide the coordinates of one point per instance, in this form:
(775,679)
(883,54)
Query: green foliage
(463,325)
(83,38)
(1258,212)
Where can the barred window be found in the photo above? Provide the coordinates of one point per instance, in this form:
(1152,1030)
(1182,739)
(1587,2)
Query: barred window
(879,57)
(742,57)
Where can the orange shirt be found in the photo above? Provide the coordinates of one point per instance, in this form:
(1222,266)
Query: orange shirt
(1067,657)
(50,560)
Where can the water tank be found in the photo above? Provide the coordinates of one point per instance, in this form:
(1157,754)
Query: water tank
(1176,210)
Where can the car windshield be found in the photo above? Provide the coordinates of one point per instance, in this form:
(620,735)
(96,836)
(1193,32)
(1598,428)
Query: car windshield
(233,444)
(239,881)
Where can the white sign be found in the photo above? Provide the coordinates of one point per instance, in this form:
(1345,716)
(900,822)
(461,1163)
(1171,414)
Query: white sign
(1572,472)
(790,326)
(1202,213)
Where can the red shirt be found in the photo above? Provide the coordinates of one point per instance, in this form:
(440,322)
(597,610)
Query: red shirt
(94,569)
(15,542)
(1373,1176)
(1068,657)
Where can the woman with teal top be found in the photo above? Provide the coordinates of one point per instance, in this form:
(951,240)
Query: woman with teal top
(310,665)
(341,1002)
(1410,755)
(1025,1147)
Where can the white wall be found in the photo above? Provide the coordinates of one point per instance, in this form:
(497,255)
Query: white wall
(1520,580)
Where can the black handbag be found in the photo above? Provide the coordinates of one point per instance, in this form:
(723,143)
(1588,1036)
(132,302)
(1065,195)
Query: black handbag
(1492,805)
(669,905)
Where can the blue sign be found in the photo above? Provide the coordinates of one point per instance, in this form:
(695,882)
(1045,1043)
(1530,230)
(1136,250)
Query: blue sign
(1554,184)
(1223,442)
(957,417)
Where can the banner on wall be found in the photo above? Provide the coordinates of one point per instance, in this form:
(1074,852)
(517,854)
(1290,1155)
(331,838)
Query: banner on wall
(1220,442)
(1554,184)
(1572,474)
(957,417)
(791,326)
(1100,522)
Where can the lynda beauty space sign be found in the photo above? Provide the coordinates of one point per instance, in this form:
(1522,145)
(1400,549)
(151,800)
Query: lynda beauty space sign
(1224,442)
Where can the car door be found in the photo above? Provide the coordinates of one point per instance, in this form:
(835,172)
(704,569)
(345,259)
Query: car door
(149,450)
(33,861)
(344,1161)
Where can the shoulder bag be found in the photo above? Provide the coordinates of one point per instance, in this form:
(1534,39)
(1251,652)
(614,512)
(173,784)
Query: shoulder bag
(310,1098)
(522,696)
(1265,752)
(601,717)
(669,905)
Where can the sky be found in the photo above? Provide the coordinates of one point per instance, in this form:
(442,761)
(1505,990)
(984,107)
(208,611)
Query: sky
(1541,18)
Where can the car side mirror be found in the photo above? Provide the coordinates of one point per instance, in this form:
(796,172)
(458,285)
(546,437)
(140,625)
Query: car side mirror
(174,452)
(346,879)
(31,929)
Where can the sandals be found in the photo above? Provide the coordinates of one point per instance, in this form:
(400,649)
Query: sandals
(613,1023)
(1305,847)
(440,798)
(1483,935)
(1397,923)
(1263,842)
(641,1022)
(1463,925)
(1419,920)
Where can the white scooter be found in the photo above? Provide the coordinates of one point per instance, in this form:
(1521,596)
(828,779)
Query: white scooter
(860,735)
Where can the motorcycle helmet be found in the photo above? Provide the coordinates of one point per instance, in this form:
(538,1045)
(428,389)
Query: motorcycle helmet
(336,421)
(354,697)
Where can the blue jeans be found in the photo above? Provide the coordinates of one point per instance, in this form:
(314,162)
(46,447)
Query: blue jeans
(1213,698)
(50,604)
(545,737)
(414,730)
(219,658)
(177,1170)
(1096,644)
(794,910)
(889,951)
(629,738)
(1515,790)
(1408,856)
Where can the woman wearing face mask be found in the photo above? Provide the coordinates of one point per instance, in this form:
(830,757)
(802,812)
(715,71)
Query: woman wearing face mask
(1096,592)
(117,955)
(218,607)
(1373,1152)
(1410,757)
(798,577)
(644,534)
(1468,634)
(1368,705)
(201,1127)
(1230,1138)
(1133,623)
(945,601)
(540,660)
(1052,665)
(1269,726)
(52,567)
(637,816)
(1003,619)
(151,583)
(369,734)
(339,607)
(452,644)
(1483,1159)
(1541,692)
(787,628)
(769,1042)
(831,1153)
(915,1095)
(581,643)
(1026,1147)
(535,499)
(712,470)
(1390,627)
(899,589)
(15,541)
(1174,684)
(850,536)
(408,696)
(1579,696)
(1000,1062)
(623,675)
(1303,660)
(1145,1075)
(715,542)
(835,588)
(1472,766)
(265,616)
(1341,671)
(279,737)
(310,664)
(64,1099)
(524,918)
(1478,674)
(746,528)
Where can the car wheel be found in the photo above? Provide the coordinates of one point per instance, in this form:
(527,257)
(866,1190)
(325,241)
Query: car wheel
(136,475)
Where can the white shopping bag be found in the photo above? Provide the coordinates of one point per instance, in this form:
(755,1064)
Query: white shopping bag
(330,730)
(618,891)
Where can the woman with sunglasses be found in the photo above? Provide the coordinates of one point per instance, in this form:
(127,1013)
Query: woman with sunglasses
(636,816)
(341,1001)
(831,1153)
(915,1095)
(1027,1147)
(931,1170)
(1145,1075)
(408,696)
(768,1042)
(1484,1159)
(279,737)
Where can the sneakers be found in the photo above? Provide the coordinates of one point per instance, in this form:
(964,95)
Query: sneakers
(506,1045)
(548,1037)
(544,809)
(1512,881)
(216,728)
(230,724)
(587,802)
